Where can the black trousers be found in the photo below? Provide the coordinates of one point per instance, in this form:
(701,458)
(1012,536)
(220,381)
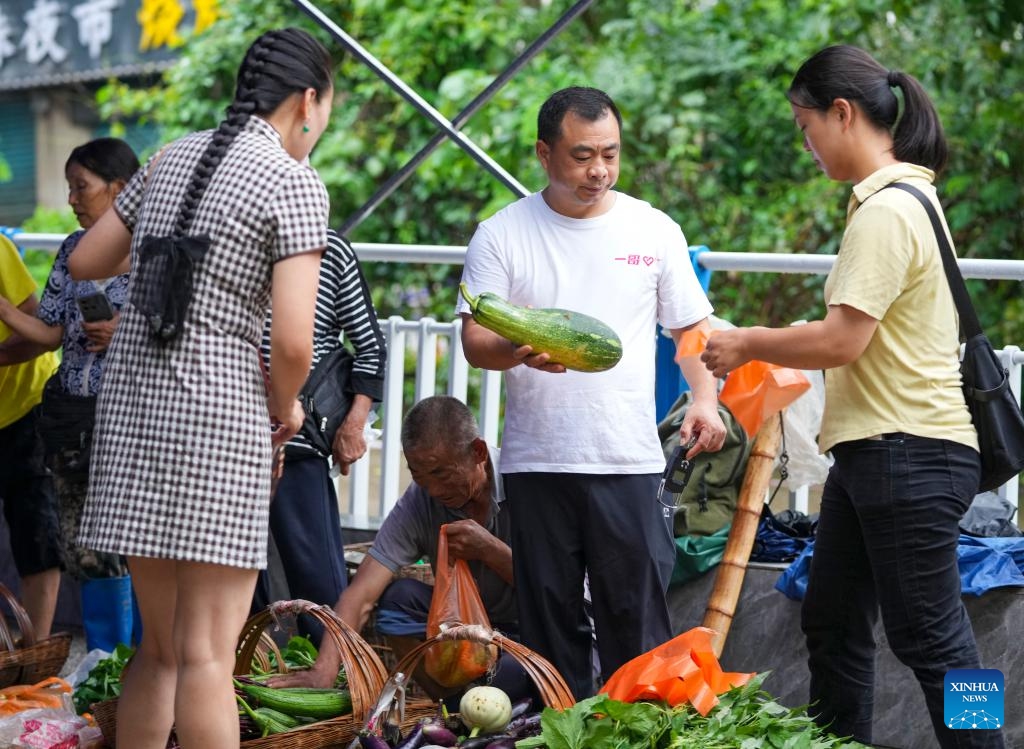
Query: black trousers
(886,541)
(29,498)
(306,527)
(610,527)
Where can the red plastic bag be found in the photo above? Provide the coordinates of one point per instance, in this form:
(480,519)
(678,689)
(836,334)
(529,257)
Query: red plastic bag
(455,601)
(684,669)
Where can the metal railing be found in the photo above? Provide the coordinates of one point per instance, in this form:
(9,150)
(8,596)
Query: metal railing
(375,481)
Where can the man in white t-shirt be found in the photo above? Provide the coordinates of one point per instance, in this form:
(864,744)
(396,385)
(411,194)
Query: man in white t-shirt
(580,453)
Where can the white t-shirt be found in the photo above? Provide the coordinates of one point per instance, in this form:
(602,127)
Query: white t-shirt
(629,268)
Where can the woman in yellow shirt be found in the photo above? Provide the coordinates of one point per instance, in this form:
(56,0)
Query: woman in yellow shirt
(906,462)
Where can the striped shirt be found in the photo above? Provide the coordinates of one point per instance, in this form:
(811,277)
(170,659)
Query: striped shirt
(343,307)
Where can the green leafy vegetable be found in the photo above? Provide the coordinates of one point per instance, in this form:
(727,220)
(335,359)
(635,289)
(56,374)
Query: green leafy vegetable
(104,679)
(298,654)
(745,718)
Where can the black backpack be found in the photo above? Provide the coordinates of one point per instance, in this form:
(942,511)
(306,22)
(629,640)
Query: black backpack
(708,501)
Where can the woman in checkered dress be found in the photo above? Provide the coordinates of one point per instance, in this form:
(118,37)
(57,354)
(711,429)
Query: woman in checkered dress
(181,475)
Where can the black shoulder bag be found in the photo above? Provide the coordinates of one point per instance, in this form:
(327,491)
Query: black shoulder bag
(986,382)
(326,399)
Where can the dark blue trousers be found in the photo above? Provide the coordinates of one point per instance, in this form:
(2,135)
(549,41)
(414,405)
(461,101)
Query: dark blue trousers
(886,542)
(306,527)
(610,527)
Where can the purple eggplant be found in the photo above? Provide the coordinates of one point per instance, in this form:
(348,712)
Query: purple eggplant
(372,741)
(482,742)
(414,740)
(524,725)
(438,735)
(519,707)
(505,742)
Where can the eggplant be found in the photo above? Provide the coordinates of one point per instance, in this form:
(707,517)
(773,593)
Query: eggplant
(482,742)
(372,741)
(438,735)
(414,740)
(506,742)
(524,724)
(519,707)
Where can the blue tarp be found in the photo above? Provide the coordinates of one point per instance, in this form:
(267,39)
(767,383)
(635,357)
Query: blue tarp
(984,563)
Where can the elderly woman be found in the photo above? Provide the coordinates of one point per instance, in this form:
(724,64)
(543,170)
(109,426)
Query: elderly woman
(80,318)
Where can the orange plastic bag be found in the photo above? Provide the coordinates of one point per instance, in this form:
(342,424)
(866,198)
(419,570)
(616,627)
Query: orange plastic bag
(684,669)
(455,601)
(756,390)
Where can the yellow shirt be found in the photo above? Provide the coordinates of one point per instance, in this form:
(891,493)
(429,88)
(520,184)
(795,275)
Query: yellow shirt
(889,267)
(21,385)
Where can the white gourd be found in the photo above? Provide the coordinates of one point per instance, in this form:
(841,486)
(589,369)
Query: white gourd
(486,708)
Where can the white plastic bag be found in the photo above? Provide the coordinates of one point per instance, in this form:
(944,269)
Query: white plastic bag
(48,728)
(81,671)
(802,423)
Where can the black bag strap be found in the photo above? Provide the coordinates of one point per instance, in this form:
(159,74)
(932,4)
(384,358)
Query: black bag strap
(969,324)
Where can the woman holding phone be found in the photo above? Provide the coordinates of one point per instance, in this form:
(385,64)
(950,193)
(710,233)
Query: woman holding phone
(80,317)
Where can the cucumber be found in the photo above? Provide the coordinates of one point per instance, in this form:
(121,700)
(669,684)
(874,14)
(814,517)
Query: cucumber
(574,340)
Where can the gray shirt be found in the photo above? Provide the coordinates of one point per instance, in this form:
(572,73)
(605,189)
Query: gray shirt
(410,530)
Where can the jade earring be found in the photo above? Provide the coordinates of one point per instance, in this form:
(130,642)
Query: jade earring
(305,128)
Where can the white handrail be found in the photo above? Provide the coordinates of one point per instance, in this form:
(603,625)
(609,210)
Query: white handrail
(423,339)
(753,262)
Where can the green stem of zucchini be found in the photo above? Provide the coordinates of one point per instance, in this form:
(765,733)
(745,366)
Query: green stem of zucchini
(472,301)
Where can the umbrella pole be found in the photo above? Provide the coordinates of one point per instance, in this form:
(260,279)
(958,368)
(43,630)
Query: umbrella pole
(729,577)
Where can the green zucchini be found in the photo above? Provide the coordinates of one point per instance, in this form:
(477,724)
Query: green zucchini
(300,701)
(572,339)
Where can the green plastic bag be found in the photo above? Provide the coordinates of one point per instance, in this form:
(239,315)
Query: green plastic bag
(695,555)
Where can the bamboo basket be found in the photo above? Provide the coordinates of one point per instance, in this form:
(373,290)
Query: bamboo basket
(422,572)
(23,658)
(551,687)
(364,670)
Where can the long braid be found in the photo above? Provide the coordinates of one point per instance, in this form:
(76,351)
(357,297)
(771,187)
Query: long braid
(244,106)
(279,64)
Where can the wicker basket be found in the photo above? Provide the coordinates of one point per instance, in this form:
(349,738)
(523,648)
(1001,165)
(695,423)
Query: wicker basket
(551,687)
(354,554)
(23,658)
(363,668)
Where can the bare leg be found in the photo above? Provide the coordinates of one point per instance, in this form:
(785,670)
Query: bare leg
(39,596)
(145,711)
(213,604)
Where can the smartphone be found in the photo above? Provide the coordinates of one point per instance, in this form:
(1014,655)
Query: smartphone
(95,307)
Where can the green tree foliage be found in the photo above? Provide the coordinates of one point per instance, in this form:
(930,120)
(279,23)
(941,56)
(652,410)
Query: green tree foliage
(708,137)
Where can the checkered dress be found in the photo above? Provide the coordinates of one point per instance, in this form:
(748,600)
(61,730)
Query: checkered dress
(181,461)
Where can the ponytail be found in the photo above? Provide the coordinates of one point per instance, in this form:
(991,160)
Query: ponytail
(918,138)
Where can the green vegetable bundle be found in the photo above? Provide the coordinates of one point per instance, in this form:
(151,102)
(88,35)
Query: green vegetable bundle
(103,681)
(745,718)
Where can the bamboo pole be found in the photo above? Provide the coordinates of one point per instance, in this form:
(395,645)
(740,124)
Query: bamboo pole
(729,576)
